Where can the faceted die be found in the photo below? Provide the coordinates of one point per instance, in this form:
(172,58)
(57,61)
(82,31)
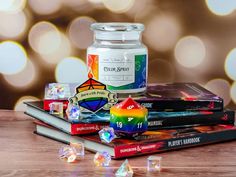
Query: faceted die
(56,91)
(107,134)
(56,108)
(125,170)
(128,118)
(154,163)
(68,153)
(72,111)
(79,147)
(102,159)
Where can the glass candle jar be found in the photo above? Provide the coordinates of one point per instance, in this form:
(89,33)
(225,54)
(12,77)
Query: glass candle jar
(118,58)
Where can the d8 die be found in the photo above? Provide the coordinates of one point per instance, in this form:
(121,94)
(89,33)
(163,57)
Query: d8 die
(128,118)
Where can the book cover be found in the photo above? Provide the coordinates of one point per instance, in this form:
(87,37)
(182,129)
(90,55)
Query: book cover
(150,142)
(156,120)
(170,97)
(85,125)
(179,97)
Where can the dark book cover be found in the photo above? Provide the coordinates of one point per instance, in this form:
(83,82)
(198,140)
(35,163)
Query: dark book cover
(164,140)
(156,120)
(169,97)
(179,97)
(148,143)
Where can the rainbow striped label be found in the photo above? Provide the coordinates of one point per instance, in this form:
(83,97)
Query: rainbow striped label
(119,72)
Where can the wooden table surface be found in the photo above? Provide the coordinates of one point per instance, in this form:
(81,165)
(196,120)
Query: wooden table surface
(25,154)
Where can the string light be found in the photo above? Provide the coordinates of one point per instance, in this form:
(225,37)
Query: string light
(24,78)
(12,6)
(13,57)
(45,7)
(120,6)
(190,51)
(44,38)
(221,7)
(162,32)
(233,92)
(71,70)
(79,32)
(63,50)
(13,25)
(230,64)
(220,87)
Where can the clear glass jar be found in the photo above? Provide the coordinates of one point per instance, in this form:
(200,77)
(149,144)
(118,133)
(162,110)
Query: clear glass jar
(118,58)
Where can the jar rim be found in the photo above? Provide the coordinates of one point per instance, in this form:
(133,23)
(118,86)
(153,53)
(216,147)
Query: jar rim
(117,27)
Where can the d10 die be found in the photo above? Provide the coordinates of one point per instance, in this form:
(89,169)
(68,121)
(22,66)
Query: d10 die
(128,118)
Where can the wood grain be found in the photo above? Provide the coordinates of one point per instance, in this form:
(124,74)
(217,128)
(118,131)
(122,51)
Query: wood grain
(25,154)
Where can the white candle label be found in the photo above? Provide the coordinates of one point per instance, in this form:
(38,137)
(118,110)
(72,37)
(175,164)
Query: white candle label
(119,70)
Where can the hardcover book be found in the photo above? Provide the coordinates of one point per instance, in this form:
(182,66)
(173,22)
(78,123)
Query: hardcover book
(156,120)
(148,143)
(179,97)
(169,97)
(85,125)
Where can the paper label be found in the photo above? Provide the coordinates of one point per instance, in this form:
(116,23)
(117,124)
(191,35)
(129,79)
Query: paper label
(119,70)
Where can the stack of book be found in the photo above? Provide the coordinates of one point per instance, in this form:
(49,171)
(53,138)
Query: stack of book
(180,115)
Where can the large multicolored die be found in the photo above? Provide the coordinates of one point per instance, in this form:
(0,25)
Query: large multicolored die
(128,118)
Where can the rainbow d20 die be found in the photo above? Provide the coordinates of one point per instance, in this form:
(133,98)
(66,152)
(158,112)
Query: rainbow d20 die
(128,118)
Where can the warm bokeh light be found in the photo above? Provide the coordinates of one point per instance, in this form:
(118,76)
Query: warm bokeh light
(13,57)
(95,1)
(23,79)
(12,25)
(79,32)
(20,106)
(12,6)
(230,64)
(119,6)
(190,51)
(221,7)
(233,92)
(187,41)
(71,70)
(45,7)
(221,88)
(162,32)
(44,38)
(64,50)
(160,71)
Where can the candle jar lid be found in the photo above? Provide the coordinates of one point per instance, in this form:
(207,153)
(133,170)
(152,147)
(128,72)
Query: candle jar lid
(117,31)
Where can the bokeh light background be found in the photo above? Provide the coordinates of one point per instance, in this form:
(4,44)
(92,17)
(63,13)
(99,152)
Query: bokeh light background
(44,41)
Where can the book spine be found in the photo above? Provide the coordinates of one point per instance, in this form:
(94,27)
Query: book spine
(182,105)
(196,119)
(46,104)
(86,128)
(124,151)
